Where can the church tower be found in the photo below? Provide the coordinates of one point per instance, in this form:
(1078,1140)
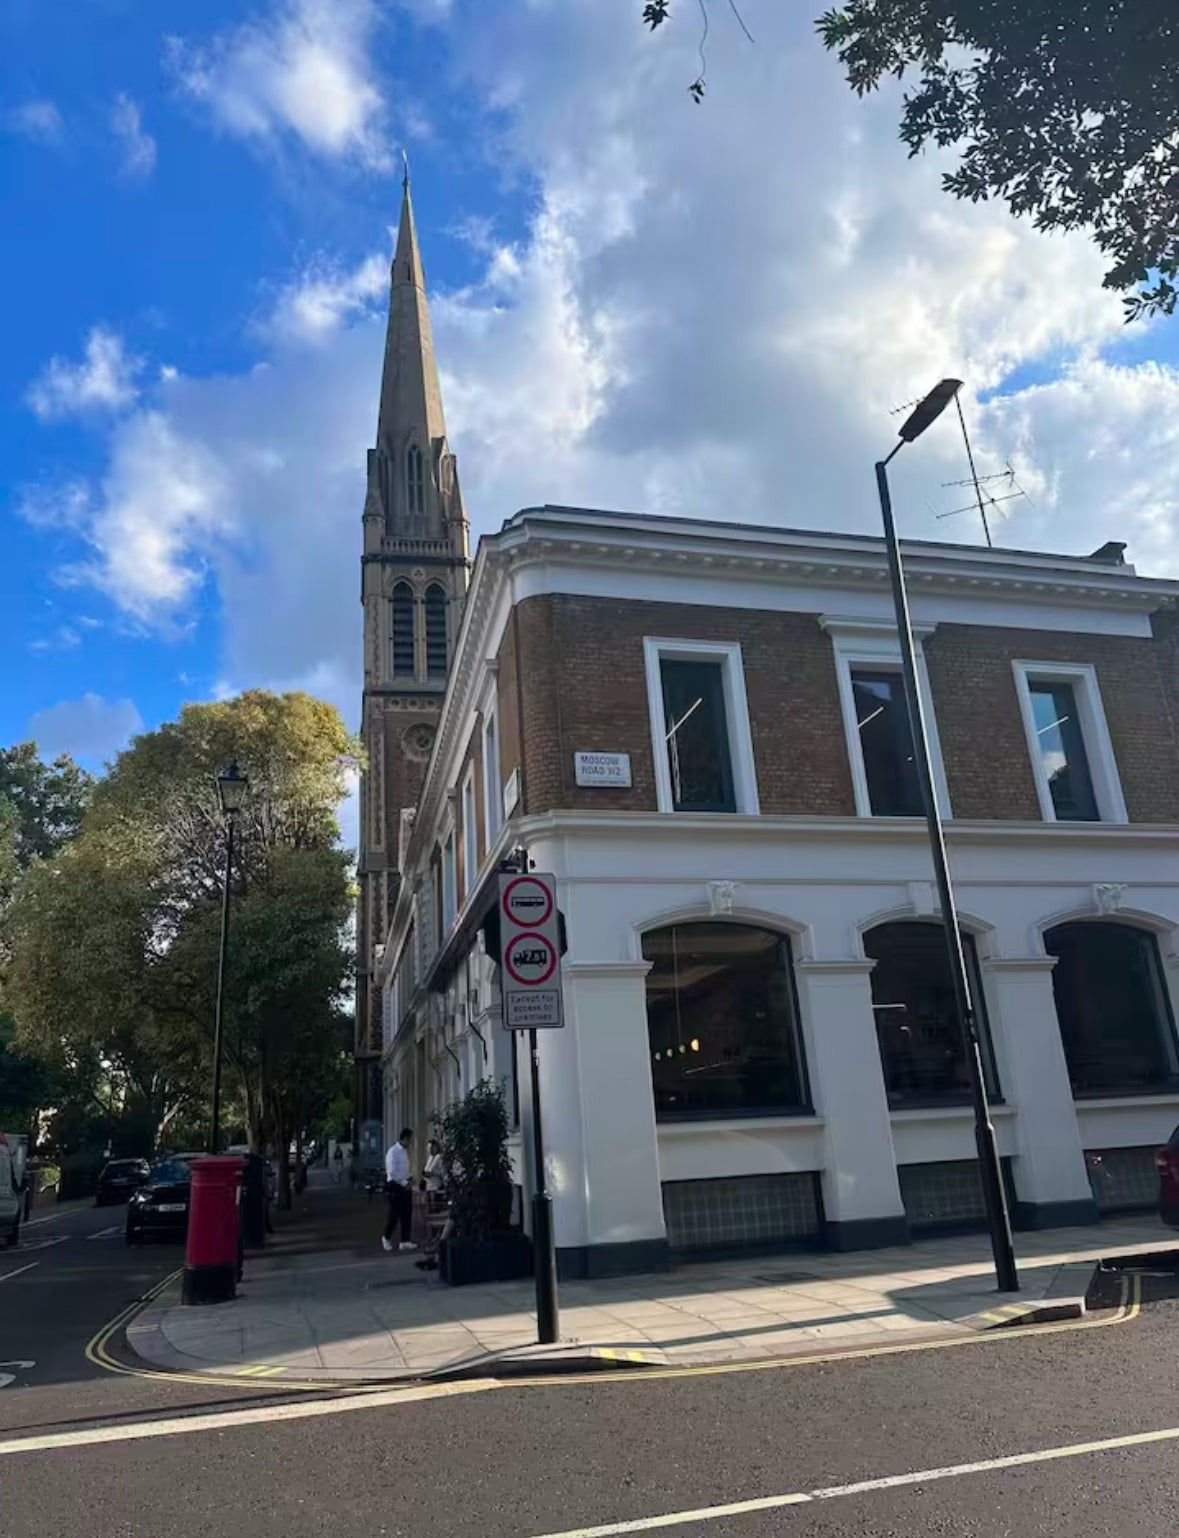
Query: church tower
(413,580)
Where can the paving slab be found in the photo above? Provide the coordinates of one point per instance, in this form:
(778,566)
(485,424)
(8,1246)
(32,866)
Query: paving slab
(348,1316)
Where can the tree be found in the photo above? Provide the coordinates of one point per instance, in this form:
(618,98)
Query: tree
(44,801)
(1065,109)
(40,809)
(115,940)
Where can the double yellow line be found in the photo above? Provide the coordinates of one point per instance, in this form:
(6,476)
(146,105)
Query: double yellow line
(1128,1308)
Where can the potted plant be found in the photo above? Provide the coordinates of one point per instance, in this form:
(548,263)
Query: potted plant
(481,1245)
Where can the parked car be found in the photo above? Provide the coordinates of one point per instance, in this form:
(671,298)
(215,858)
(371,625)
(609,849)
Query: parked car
(159,1208)
(13,1150)
(118,1179)
(1167,1163)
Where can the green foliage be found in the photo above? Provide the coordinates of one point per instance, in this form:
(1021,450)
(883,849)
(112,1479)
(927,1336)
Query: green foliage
(477,1171)
(44,801)
(1064,109)
(115,941)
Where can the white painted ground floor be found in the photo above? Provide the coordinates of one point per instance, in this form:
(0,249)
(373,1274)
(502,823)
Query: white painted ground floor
(759,1049)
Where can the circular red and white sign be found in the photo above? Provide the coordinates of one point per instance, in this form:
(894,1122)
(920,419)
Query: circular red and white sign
(530,959)
(527,901)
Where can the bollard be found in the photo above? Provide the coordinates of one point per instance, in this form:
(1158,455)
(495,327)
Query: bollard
(212,1251)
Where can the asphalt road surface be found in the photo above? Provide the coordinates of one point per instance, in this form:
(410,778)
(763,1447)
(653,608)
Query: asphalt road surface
(1001,1438)
(71,1274)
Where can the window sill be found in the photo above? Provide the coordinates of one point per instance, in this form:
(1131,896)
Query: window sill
(738,1121)
(1127,1099)
(944,1112)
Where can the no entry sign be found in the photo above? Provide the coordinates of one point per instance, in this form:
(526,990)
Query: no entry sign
(530,978)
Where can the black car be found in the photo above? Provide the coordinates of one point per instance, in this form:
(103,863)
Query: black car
(118,1179)
(159,1209)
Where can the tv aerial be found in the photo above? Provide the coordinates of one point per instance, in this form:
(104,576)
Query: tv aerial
(989,490)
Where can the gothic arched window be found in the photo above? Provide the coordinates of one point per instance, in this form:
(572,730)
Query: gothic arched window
(415,489)
(436,657)
(403,661)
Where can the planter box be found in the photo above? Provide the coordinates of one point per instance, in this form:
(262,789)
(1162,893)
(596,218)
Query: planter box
(505,1258)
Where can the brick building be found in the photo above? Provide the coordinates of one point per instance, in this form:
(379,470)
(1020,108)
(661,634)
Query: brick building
(699,728)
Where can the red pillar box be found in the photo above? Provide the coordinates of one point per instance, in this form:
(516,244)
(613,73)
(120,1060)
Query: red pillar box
(211,1255)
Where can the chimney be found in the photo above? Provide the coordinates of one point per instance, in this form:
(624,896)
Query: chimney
(1112,553)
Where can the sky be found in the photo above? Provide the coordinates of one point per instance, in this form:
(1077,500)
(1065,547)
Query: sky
(639,302)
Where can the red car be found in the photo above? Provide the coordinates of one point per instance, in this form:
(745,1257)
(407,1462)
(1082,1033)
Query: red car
(1167,1163)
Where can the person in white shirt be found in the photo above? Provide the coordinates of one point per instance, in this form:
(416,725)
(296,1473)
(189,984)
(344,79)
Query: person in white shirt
(399,1192)
(432,1174)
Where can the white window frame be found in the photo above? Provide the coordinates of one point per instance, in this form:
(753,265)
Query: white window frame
(1103,767)
(470,826)
(728,653)
(862,644)
(493,792)
(449,880)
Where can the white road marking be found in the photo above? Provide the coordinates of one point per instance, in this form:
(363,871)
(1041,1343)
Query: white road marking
(223,1420)
(864,1486)
(10,1377)
(28,1245)
(107,1233)
(20,1271)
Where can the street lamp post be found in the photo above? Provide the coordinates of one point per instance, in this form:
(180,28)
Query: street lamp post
(998,1221)
(232,783)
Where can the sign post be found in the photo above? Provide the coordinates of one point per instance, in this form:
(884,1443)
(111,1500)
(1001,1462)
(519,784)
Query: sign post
(530,986)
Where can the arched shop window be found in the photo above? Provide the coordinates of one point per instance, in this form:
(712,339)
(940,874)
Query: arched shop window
(921,1048)
(1111,1002)
(722,1018)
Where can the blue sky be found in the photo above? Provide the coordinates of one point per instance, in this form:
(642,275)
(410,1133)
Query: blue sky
(638,303)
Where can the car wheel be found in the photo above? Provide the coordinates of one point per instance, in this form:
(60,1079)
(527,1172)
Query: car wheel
(134,1234)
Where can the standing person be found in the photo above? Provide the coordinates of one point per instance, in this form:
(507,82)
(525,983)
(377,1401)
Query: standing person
(432,1174)
(399,1192)
(338,1156)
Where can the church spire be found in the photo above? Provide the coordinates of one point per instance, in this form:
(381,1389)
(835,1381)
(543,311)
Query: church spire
(411,400)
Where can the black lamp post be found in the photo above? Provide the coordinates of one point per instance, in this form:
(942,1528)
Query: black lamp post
(232,783)
(926,412)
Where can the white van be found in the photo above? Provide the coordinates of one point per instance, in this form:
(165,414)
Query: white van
(12,1186)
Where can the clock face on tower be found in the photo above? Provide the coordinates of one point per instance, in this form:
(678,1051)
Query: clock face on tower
(418,740)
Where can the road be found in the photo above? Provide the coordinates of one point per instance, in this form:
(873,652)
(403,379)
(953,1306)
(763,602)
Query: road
(533,1460)
(71,1274)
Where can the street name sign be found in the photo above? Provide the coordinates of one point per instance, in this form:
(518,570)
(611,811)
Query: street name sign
(530,973)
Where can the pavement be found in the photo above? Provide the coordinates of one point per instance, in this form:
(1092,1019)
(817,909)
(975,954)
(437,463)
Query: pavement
(1069,1429)
(322,1308)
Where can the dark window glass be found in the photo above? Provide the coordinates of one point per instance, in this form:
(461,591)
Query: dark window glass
(403,631)
(436,661)
(1111,1001)
(415,488)
(913,1001)
(882,718)
(171,1172)
(698,758)
(722,1018)
(1061,746)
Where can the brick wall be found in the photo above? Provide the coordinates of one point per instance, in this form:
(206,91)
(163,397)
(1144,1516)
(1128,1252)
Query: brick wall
(584,690)
(582,687)
(988,767)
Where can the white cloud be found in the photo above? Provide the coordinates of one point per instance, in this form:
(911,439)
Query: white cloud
(92,729)
(152,526)
(37,120)
(315,304)
(305,72)
(138,148)
(104,380)
(712,312)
